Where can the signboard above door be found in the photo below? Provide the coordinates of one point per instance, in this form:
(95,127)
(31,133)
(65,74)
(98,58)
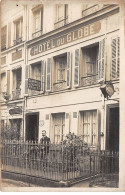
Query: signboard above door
(34,84)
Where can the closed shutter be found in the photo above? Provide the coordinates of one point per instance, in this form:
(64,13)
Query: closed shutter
(26,78)
(76,69)
(9,35)
(8,81)
(101,61)
(67,123)
(68,80)
(48,74)
(115,62)
(42,76)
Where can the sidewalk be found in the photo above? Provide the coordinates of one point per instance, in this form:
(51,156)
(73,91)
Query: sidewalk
(14,183)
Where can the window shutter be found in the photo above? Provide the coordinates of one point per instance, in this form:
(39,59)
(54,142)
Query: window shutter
(9,35)
(101,61)
(76,69)
(99,130)
(115,62)
(42,76)
(48,74)
(26,78)
(67,123)
(8,81)
(68,80)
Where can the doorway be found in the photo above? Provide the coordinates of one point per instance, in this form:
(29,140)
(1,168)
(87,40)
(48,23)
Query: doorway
(32,126)
(113,129)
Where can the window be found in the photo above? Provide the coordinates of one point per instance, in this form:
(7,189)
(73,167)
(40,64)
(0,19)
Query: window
(89,67)
(61,15)
(3,38)
(36,74)
(59,126)
(16,93)
(37,22)
(18,31)
(89,127)
(61,77)
(3,82)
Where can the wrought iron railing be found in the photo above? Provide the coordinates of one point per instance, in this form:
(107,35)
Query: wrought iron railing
(57,162)
(89,80)
(18,41)
(61,85)
(61,23)
(37,34)
(16,94)
(104,168)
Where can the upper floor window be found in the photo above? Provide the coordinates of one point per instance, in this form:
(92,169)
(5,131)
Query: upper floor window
(35,74)
(3,38)
(61,15)
(18,31)
(37,22)
(3,82)
(16,93)
(89,64)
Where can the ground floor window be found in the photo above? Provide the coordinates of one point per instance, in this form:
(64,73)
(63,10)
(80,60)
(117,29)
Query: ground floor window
(58,127)
(89,127)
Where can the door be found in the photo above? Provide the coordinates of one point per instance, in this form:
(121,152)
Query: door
(113,129)
(32,126)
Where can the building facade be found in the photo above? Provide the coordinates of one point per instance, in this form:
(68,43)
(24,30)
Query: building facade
(60,66)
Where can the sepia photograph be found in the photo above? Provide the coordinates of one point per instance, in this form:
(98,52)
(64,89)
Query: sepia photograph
(62,103)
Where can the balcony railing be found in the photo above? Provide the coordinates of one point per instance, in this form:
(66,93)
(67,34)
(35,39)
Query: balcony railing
(89,80)
(61,85)
(16,94)
(61,23)
(37,34)
(18,41)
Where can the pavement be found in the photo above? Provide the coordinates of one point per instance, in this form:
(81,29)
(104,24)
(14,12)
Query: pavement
(14,183)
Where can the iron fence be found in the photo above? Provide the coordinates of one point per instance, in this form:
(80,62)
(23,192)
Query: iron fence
(104,168)
(58,162)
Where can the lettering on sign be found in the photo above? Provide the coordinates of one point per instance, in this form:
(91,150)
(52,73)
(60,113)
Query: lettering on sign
(34,84)
(17,55)
(3,60)
(80,33)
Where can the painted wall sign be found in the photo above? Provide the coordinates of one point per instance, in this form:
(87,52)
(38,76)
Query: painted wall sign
(34,84)
(79,33)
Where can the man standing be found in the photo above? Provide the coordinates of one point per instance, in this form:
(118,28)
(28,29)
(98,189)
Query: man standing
(44,141)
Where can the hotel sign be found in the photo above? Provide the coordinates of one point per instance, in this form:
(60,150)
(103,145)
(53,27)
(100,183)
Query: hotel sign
(34,84)
(69,37)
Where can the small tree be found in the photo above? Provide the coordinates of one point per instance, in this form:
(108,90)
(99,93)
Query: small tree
(9,133)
